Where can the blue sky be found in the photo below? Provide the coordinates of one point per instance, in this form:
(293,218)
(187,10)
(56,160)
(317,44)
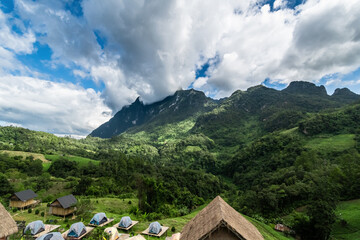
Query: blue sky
(82,61)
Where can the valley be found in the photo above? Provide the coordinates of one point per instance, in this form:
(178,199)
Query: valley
(266,152)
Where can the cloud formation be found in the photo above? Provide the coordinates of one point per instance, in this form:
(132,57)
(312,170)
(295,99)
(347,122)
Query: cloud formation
(62,108)
(152,48)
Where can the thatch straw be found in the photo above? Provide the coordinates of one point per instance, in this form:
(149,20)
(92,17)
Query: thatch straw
(8,225)
(138,237)
(216,215)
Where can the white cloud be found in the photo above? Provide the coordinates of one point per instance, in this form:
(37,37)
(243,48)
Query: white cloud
(49,106)
(12,41)
(154,47)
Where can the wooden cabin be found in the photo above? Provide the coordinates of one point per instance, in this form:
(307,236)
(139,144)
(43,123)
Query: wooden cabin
(63,206)
(23,199)
(219,220)
(8,225)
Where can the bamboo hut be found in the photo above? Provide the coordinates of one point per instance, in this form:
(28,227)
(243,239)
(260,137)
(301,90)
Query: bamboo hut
(63,206)
(7,225)
(23,199)
(219,220)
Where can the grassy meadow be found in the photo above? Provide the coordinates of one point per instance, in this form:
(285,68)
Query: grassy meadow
(347,226)
(82,161)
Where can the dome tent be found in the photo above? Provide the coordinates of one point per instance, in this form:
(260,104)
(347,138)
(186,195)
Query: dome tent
(76,230)
(155,228)
(113,233)
(125,222)
(34,227)
(99,219)
(51,236)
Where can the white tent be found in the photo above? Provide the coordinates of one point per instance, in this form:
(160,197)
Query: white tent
(113,232)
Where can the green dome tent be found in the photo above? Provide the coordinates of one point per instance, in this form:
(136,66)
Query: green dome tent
(155,228)
(99,219)
(125,222)
(51,236)
(76,230)
(34,228)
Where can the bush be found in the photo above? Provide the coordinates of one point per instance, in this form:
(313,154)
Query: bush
(134,210)
(14,209)
(55,221)
(66,220)
(42,214)
(343,222)
(29,210)
(173,229)
(129,202)
(37,211)
(153,216)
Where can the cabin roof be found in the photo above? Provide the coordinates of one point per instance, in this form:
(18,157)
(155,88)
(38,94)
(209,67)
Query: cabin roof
(66,201)
(219,214)
(25,195)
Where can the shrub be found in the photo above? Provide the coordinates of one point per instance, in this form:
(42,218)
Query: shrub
(37,211)
(66,220)
(29,210)
(173,229)
(42,214)
(343,222)
(55,221)
(14,209)
(129,202)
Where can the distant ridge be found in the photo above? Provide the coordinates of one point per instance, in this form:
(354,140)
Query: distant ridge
(181,105)
(307,88)
(258,101)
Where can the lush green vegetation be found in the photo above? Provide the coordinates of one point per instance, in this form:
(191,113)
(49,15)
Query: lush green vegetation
(267,152)
(347,225)
(80,160)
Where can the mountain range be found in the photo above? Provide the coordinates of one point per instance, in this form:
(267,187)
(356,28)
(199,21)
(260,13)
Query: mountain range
(267,108)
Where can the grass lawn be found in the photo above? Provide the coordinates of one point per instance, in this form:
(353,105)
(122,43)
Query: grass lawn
(117,208)
(336,143)
(25,154)
(81,160)
(350,212)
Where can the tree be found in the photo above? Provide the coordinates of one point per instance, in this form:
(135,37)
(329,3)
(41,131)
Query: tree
(5,186)
(43,182)
(63,168)
(83,185)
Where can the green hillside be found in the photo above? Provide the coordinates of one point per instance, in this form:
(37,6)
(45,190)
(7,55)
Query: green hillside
(267,152)
(347,225)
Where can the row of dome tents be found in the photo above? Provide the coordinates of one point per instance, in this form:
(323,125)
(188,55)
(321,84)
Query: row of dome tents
(217,220)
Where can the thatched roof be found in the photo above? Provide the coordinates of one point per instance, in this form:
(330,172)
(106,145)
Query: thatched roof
(7,225)
(216,215)
(138,237)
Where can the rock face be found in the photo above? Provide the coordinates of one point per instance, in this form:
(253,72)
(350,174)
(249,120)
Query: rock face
(305,88)
(345,94)
(268,105)
(181,105)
